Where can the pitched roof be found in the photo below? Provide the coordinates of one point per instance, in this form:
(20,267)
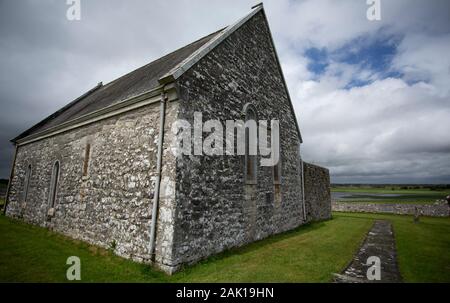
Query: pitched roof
(132,84)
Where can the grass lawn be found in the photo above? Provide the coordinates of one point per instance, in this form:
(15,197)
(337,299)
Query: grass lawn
(422,249)
(308,254)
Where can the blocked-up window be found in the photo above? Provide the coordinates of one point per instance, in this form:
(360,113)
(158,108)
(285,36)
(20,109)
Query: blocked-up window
(54,184)
(250,145)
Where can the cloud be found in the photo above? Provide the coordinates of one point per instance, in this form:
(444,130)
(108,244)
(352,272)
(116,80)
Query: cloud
(372,98)
(46,61)
(387,126)
(425,58)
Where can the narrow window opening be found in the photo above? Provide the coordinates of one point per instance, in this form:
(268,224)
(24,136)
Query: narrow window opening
(250,140)
(86,159)
(27,183)
(54,184)
(277,182)
(276,168)
(276,173)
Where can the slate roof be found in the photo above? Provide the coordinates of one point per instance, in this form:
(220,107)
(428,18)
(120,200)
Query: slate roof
(132,84)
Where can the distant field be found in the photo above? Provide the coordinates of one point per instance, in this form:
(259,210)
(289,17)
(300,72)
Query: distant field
(388,194)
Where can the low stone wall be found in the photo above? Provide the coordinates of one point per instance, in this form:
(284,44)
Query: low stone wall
(438,209)
(317,192)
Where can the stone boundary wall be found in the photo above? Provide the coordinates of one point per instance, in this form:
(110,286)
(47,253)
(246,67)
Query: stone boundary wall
(317,192)
(439,209)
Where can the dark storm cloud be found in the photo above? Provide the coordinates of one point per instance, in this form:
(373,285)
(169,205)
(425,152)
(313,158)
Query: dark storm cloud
(384,130)
(47,61)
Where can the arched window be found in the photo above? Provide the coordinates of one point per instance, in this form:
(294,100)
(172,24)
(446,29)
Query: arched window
(251,141)
(54,184)
(27,183)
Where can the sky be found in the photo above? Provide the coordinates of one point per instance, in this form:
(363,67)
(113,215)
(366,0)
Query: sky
(372,98)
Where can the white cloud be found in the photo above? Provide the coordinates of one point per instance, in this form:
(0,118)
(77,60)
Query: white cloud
(423,57)
(388,129)
(325,23)
(385,126)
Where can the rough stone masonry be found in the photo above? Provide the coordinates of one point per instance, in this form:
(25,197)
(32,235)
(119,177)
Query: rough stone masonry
(89,171)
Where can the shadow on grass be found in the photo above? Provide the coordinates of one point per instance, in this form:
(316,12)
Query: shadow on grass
(146,271)
(186,269)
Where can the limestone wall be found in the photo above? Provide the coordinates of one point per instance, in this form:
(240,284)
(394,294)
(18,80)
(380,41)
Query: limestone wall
(317,192)
(216,210)
(111,206)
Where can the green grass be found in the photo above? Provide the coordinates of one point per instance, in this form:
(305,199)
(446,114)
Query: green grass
(422,249)
(308,254)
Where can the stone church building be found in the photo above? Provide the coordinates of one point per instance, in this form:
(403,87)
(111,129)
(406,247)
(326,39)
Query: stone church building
(100,169)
